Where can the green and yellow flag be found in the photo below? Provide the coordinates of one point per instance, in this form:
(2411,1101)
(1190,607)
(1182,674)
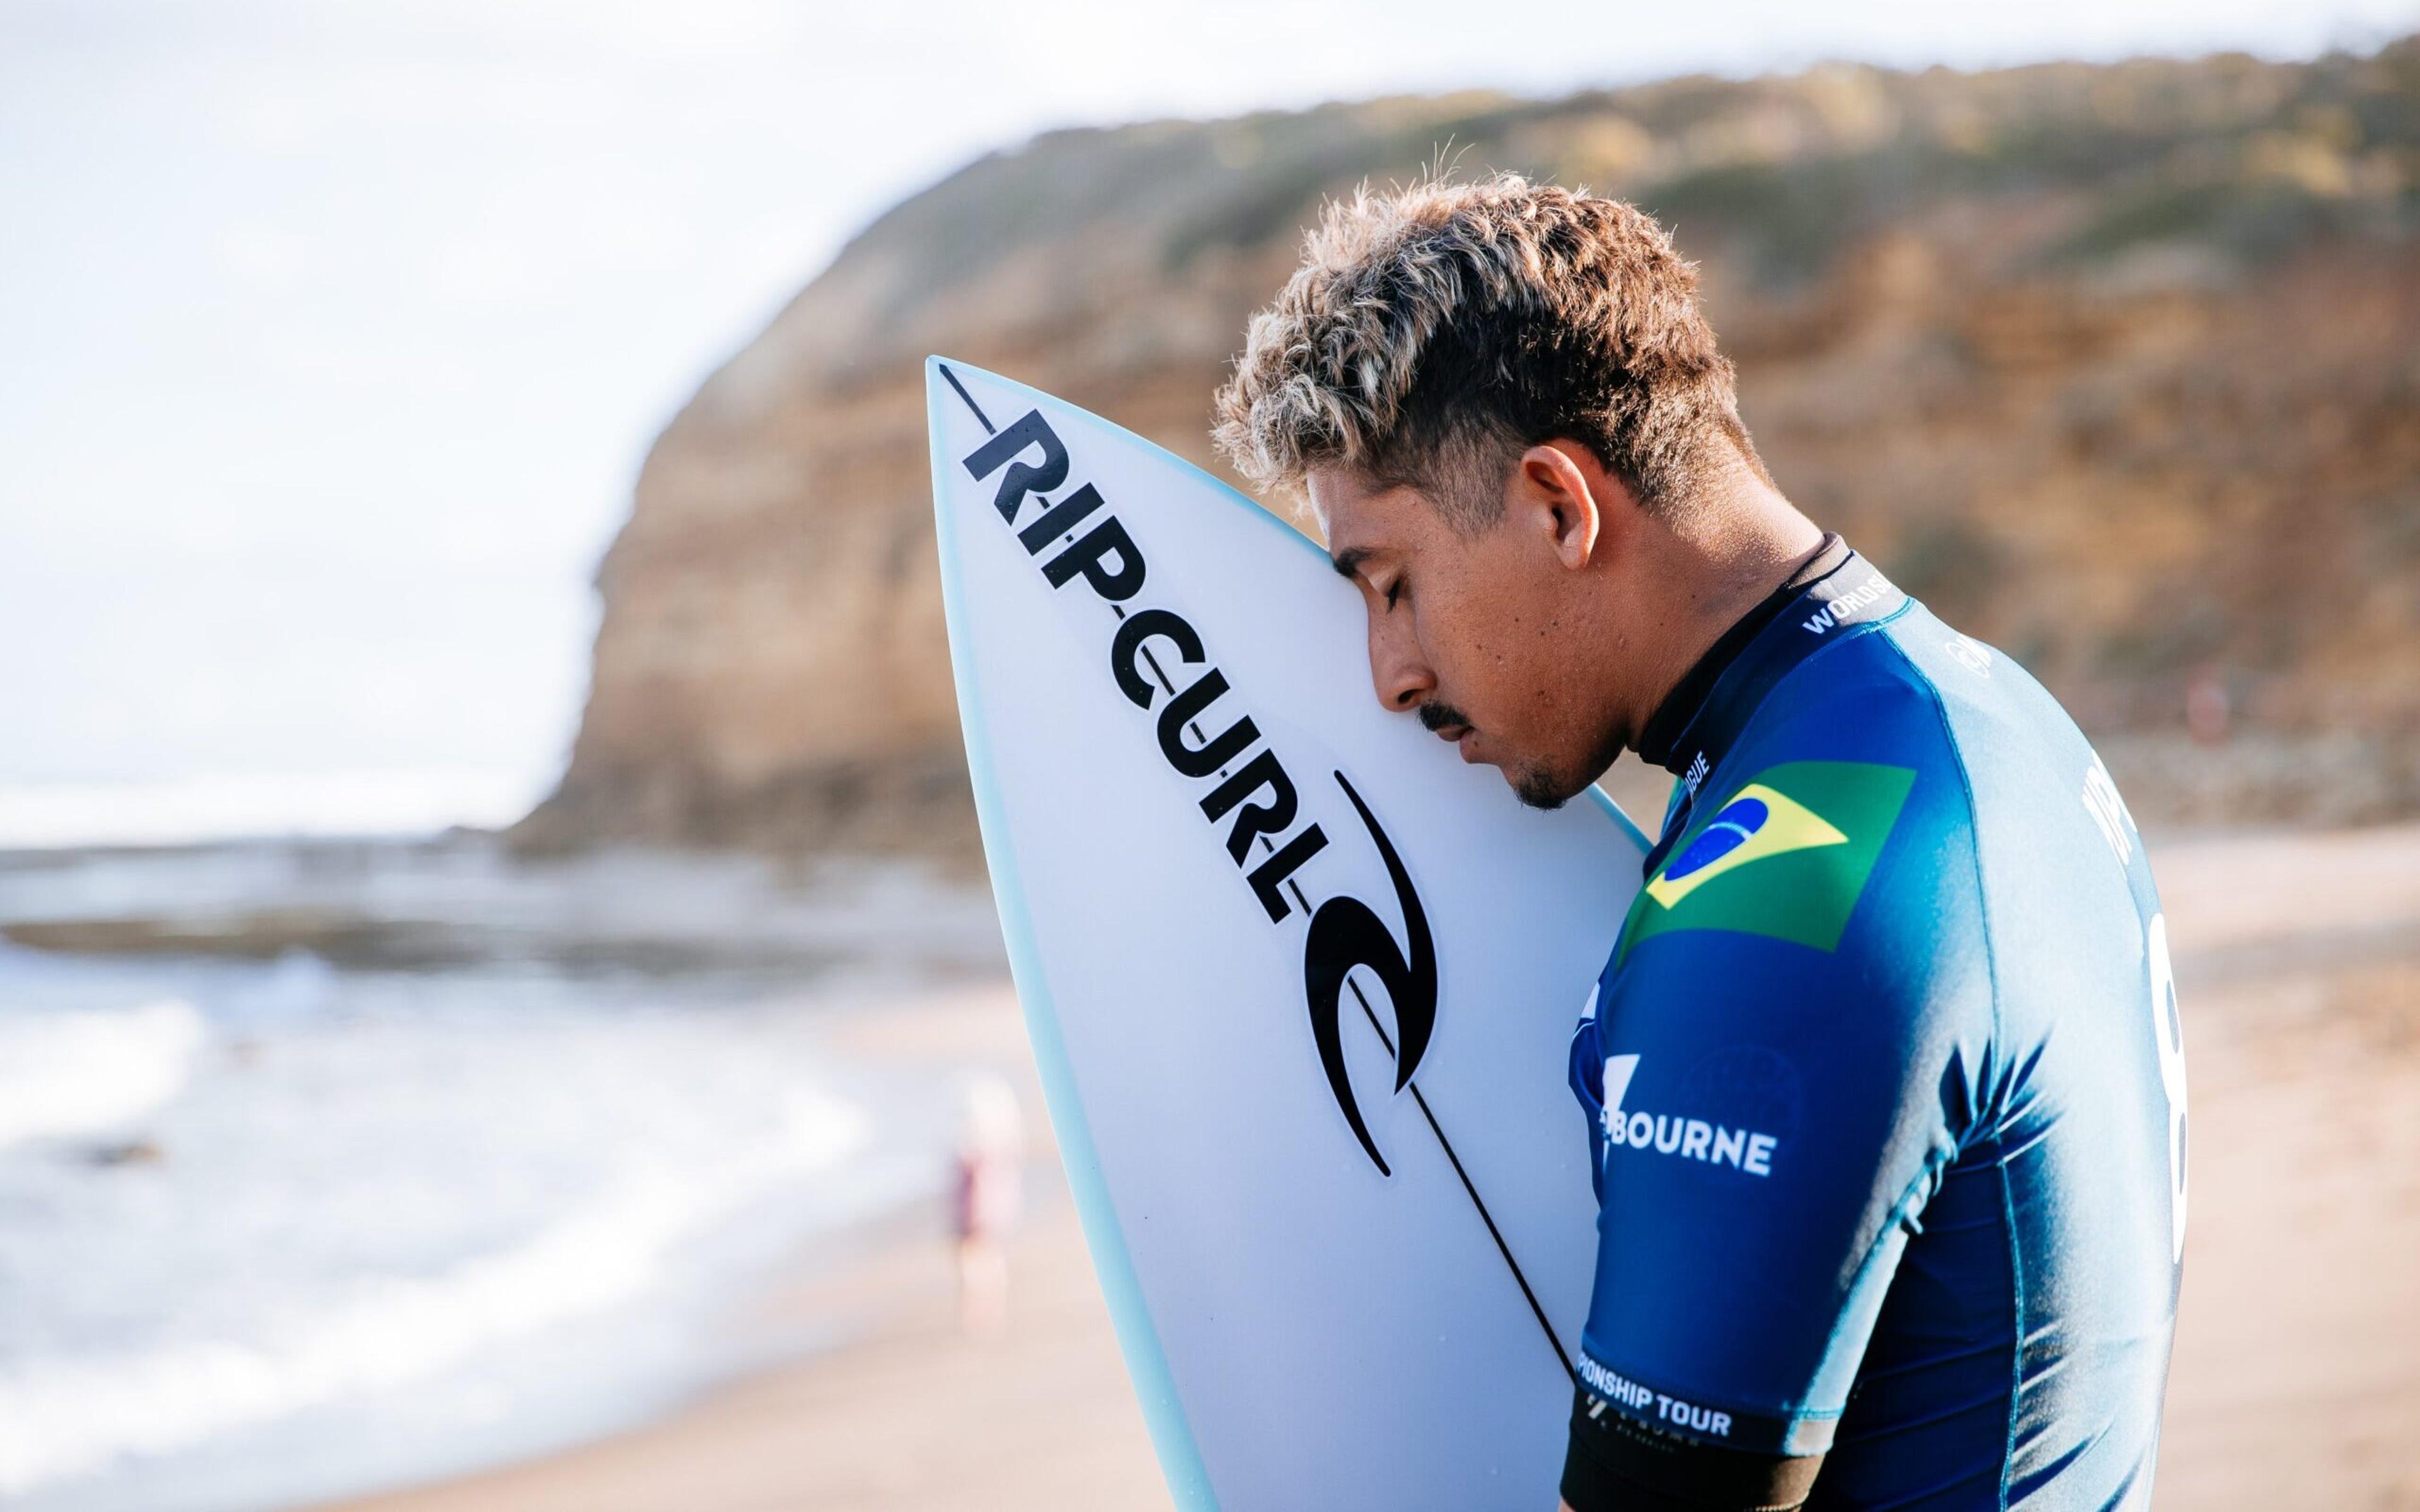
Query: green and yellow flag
(1785,855)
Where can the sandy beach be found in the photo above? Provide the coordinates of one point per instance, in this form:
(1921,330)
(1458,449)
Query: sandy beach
(2296,1379)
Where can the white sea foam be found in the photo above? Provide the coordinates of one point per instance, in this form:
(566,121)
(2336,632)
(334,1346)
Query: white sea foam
(92,1071)
(400,1224)
(62,1417)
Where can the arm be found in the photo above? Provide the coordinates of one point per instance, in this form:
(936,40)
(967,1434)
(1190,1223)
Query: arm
(1767,1092)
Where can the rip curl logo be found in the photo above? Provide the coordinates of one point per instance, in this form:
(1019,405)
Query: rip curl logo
(1250,790)
(1970,653)
(1664,1134)
(1346,932)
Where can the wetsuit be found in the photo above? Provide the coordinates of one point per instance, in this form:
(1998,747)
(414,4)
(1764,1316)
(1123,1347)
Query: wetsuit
(1885,1086)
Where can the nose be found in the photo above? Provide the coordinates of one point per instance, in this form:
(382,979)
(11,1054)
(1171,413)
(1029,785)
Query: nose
(1397,669)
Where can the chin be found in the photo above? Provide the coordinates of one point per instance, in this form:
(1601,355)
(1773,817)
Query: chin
(1538,787)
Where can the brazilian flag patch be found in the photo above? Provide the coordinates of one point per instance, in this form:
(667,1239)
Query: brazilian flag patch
(1785,855)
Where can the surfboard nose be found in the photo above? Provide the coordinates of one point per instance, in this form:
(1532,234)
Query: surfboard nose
(950,384)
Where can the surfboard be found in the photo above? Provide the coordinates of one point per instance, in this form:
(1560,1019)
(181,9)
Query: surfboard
(1300,984)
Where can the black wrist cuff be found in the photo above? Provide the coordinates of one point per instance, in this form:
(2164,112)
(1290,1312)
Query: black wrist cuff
(1616,1464)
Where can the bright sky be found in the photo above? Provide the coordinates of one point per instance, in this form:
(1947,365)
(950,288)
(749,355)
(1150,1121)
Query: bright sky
(332,332)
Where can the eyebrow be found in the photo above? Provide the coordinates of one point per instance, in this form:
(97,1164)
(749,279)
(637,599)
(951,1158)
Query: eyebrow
(1347,562)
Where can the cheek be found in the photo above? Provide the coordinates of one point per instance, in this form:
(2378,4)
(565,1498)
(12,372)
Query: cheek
(1455,637)
(1542,709)
(1492,658)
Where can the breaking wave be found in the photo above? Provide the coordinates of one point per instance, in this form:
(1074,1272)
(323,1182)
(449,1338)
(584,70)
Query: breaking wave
(61,1417)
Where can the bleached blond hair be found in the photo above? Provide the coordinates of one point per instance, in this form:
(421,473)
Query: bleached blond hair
(1436,330)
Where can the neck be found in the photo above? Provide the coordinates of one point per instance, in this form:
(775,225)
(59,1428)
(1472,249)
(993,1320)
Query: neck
(1693,578)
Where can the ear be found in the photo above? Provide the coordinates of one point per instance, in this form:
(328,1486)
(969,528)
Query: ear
(1563,484)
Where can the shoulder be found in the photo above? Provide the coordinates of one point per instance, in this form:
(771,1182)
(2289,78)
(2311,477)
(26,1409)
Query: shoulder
(1874,697)
(1844,782)
(1827,875)
(1898,713)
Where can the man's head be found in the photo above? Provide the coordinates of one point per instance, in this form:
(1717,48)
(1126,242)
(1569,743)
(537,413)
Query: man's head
(1505,411)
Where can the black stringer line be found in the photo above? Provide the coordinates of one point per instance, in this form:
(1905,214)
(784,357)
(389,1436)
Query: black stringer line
(951,378)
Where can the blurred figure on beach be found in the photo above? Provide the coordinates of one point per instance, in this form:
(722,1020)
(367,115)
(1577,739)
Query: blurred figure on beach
(2209,708)
(986,1198)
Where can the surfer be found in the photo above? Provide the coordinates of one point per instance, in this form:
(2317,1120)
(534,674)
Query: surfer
(1884,1076)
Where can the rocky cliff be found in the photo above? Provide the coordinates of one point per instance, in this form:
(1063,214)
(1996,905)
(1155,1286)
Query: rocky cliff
(2116,367)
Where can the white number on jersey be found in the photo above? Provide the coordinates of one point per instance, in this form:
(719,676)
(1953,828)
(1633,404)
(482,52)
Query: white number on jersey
(2168,1032)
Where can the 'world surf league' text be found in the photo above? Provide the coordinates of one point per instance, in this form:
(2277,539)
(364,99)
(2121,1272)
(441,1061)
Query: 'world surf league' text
(1258,800)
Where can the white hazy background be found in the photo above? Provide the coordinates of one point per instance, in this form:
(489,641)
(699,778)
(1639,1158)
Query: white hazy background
(332,334)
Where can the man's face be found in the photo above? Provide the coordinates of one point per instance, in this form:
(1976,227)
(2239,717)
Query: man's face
(1472,634)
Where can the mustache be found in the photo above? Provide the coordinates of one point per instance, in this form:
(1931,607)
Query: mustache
(1435,717)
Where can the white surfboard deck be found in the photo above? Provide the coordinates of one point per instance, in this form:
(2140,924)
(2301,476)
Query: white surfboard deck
(1303,1330)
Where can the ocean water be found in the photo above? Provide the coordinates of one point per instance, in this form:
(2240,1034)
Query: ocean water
(276,1227)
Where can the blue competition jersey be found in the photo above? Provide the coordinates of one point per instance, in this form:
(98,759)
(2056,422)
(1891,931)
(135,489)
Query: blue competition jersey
(1886,1083)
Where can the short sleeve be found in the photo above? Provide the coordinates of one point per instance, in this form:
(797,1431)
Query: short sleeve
(1774,1081)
